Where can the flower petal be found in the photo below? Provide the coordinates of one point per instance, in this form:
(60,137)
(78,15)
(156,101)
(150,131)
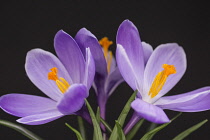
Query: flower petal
(171,54)
(41,118)
(38,65)
(73,99)
(112,81)
(89,69)
(70,55)
(125,67)
(22,105)
(149,111)
(128,37)
(86,39)
(147,48)
(194,101)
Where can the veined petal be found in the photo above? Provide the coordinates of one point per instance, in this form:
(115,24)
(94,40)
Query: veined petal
(22,105)
(147,48)
(125,67)
(41,118)
(112,81)
(86,39)
(70,55)
(149,111)
(73,99)
(171,54)
(38,65)
(89,69)
(128,37)
(194,101)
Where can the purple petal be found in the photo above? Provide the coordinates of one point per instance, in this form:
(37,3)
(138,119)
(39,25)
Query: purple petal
(86,39)
(41,118)
(73,99)
(194,101)
(38,65)
(171,54)
(147,48)
(22,105)
(125,67)
(149,111)
(128,37)
(70,55)
(112,81)
(89,69)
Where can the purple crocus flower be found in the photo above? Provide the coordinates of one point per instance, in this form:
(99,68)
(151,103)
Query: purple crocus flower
(66,80)
(153,74)
(107,76)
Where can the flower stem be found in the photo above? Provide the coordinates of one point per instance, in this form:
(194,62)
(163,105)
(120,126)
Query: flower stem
(134,119)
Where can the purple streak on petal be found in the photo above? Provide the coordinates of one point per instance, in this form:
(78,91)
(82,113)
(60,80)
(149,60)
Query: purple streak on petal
(125,67)
(171,54)
(38,65)
(194,101)
(70,55)
(41,118)
(89,69)
(147,48)
(22,105)
(112,81)
(73,99)
(128,37)
(149,111)
(86,39)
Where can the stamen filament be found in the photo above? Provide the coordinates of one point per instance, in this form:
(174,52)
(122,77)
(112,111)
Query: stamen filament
(109,62)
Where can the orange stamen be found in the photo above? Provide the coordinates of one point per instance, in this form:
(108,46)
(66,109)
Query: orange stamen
(105,43)
(160,79)
(61,83)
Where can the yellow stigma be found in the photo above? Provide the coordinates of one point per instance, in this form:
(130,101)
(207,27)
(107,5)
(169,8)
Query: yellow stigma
(105,43)
(160,79)
(62,84)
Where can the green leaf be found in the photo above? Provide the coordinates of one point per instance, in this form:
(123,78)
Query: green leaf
(98,115)
(120,131)
(97,130)
(81,127)
(149,135)
(107,126)
(20,129)
(79,136)
(122,117)
(133,131)
(185,133)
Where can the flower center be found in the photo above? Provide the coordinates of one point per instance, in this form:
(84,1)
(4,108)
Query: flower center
(62,84)
(105,43)
(160,79)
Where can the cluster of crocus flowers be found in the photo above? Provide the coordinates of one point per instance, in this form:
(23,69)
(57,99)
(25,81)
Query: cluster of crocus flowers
(84,62)
(66,80)
(153,74)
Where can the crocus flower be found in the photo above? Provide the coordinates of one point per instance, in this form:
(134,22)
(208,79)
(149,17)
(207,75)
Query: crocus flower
(107,76)
(66,80)
(153,74)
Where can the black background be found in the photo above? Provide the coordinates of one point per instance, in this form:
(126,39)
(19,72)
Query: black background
(26,25)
